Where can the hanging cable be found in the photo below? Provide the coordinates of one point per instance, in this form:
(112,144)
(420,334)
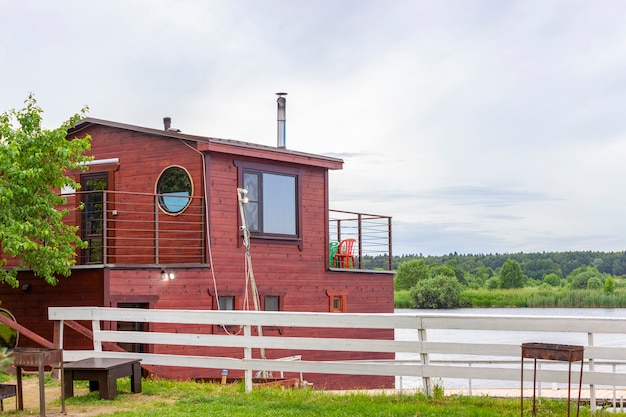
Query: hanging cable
(242,198)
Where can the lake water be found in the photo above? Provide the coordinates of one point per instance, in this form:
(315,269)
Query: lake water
(504,337)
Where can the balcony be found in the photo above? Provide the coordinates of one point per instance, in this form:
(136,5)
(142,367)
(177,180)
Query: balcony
(373,237)
(131,228)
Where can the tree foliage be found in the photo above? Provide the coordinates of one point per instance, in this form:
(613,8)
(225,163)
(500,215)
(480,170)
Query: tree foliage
(552,279)
(609,285)
(409,273)
(580,277)
(33,166)
(511,275)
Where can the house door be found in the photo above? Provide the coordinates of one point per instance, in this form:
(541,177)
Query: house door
(132,327)
(93,216)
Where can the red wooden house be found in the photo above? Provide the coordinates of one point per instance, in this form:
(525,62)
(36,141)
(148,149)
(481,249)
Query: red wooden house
(161,216)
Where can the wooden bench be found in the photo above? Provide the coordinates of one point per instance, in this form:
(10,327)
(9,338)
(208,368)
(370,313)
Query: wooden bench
(102,374)
(7,391)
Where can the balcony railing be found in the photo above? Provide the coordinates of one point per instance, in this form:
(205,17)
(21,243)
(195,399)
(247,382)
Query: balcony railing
(127,228)
(131,228)
(373,237)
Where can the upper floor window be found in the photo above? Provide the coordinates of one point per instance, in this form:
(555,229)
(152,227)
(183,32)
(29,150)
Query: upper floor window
(173,185)
(273,208)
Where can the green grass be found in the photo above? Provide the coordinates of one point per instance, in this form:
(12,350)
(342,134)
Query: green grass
(189,399)
(530,297)
(402,299)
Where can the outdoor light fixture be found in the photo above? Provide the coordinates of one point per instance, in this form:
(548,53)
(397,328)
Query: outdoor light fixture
(167,276)
(242,194)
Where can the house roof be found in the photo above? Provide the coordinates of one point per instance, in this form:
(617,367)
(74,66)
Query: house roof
(209,144)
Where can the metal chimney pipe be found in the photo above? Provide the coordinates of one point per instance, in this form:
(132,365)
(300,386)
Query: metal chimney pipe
(167,123)
(282,118)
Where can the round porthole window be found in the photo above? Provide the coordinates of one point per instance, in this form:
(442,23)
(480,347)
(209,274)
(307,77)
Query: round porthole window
(175,189)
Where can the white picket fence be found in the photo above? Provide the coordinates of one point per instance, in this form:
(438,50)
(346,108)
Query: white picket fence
(422,347)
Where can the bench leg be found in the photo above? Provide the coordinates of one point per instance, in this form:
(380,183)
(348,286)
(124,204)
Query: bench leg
(135,378)
(108,386)
(68,384)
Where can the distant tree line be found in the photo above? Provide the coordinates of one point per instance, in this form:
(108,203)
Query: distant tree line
(447,281)
(534,265)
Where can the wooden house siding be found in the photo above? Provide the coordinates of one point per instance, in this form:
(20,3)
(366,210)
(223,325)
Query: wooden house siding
(30,301)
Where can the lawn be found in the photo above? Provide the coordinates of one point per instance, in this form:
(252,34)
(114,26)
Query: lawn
(170,398)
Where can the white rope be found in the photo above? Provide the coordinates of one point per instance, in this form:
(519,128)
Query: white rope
(208,233)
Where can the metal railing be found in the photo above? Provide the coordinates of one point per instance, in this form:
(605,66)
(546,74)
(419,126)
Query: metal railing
(372,233)
(132,228)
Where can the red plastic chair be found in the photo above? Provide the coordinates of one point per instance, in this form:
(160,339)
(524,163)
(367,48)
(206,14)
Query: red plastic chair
(344,258)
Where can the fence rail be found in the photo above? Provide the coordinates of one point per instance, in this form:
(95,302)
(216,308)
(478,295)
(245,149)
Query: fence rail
(474,350)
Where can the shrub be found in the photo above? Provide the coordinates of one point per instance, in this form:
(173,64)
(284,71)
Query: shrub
(552,279)
(594,283)
(492,283)
(438,292)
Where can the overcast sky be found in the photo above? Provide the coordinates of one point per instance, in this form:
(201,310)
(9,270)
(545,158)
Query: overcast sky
(480,126)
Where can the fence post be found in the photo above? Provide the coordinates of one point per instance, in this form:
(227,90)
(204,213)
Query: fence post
(97,341)
(426,383)
(592,388)
(247,354)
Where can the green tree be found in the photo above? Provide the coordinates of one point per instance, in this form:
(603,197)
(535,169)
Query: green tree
(609,285)
(552,279)
(581,276)
(33,164)
(442,270)
(458,271)
(441,291)
(409,273)
(511,275)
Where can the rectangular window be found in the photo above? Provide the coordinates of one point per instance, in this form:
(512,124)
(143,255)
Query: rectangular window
(337,300)
(272,203)
(272,303)
(274,194)
(226,302)
(94,188)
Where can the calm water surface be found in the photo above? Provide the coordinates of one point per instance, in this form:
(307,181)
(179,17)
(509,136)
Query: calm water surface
(504,337)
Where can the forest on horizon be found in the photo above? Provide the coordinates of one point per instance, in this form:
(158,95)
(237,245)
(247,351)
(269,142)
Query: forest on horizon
(534,265)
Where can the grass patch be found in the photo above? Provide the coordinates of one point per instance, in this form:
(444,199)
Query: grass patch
(189,399)
(499,298)
(402,299)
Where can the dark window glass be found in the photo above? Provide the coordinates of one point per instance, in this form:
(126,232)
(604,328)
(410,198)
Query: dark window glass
(272,303)
(226,302)
(173,186)
(93,216)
